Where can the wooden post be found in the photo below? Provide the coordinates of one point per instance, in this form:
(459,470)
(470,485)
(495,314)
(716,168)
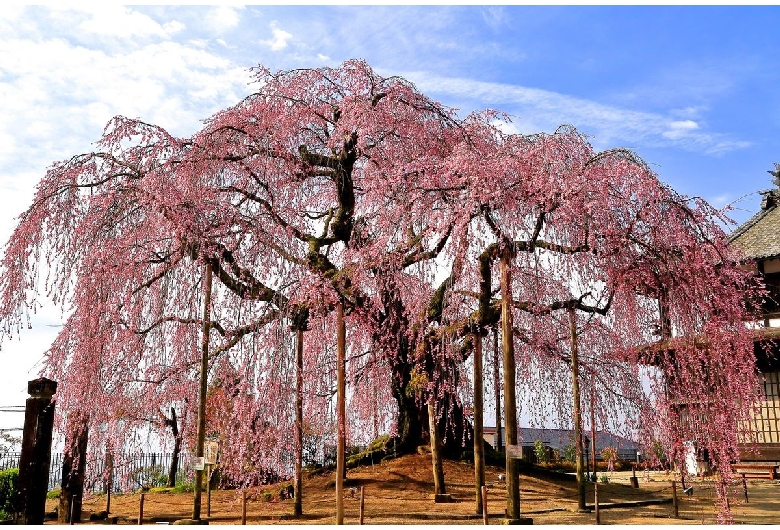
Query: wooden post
(484,505)
(479,441)
(362,505)
(208,490)
(298,507)
(593,425)
(744,487)
(674,499)
(341,354)
(439,487)
(596,501)
(72,519)
(36,449)
(141,509)
(108,483)
(634,480)
(204,369)
(497,385)
(243,507)
(510,399)
(575,387)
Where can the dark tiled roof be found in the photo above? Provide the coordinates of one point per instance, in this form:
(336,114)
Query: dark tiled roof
(759,237)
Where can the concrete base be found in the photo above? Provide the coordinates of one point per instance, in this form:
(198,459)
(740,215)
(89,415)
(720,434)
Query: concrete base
(191,521)
(443,498)
(519,520)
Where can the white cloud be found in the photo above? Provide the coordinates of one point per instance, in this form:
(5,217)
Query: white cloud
(118,21)
(680,129)
(279,40)
(223,18)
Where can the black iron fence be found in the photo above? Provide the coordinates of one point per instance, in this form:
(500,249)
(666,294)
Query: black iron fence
(130,471)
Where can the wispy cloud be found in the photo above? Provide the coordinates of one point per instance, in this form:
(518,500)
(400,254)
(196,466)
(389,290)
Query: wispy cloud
(543,110)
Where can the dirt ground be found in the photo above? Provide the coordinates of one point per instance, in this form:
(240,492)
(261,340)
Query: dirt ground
(399,492)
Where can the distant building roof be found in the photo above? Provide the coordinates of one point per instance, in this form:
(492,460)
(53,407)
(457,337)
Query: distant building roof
(759,236)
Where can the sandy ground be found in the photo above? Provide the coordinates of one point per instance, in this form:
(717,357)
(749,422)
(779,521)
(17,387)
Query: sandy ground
(399,492)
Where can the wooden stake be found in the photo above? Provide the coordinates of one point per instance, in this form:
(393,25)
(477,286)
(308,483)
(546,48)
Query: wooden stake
(744,487)
(596,502)
(484,505)
(243,507)
(362,504)
(141,510)
(674,499)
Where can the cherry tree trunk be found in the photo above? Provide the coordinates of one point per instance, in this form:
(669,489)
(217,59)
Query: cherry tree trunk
(341,355)
(298,509)
(575,387)
(510,400)
(438,468)
(174,469)
(204,367)
(74,465)
(479,442)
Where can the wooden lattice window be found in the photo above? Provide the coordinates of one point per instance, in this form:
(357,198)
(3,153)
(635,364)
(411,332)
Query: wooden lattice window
(767,423)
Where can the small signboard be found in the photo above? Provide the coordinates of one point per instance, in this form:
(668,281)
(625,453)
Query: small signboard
(198,463)
(514,451)
(210,450)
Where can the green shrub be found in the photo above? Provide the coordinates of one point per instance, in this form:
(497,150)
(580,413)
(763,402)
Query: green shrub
(9,484)
(53,494)
(541,452)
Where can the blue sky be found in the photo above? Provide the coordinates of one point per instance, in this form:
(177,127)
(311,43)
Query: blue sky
(693,90)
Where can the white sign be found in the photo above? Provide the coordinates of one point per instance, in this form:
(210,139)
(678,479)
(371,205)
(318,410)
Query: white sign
(210,450)
(198,463)
(514,451)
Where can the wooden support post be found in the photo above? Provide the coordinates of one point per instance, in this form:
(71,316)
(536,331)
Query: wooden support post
(243,507)
(744,487)
(298,506)
(341,354)
(575,388)
(362,505)
(634,480)
(484,505)
(497,385)
(510,399)
(208,490)
(204,369)
(73,509)
(439,488)
(479,441)
(674,499)
(141,509)
(596,502)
